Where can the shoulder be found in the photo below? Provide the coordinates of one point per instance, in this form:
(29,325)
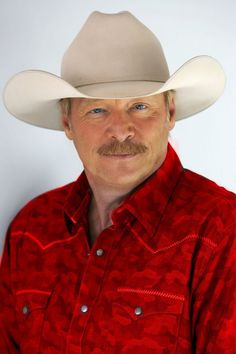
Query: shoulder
(50,202)
(200,187)
(206,201)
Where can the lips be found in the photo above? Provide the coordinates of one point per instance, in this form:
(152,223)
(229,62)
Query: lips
(120,156)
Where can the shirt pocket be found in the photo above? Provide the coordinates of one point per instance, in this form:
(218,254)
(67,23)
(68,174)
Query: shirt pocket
(31,307)
(147,320)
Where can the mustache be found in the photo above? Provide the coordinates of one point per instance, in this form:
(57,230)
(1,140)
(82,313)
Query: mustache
(122,148)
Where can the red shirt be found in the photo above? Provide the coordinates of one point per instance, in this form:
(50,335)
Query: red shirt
(160,279)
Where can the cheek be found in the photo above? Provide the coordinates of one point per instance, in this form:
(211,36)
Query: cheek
(86,141)
(154,130)
(155,136)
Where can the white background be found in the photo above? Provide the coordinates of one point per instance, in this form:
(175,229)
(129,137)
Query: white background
(35,34)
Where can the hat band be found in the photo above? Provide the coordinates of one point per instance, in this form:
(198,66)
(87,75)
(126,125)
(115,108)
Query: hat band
(120,89)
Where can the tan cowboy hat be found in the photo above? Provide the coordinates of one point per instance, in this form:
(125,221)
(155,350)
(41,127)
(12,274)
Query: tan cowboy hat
(113,56)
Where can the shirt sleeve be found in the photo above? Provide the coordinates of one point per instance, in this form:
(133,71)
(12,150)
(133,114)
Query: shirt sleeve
(213,303)
(8,325)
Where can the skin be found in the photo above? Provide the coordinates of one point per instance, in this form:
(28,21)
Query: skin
(111,174)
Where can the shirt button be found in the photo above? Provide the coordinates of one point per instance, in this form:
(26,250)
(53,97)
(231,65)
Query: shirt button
(84,308)
(25,310)
(138,311)
(88,254)
(99,252)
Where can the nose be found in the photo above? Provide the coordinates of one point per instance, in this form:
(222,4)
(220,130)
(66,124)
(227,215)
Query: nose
(120,126)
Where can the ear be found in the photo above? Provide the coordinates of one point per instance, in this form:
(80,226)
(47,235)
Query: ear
(172,111)
(66,124)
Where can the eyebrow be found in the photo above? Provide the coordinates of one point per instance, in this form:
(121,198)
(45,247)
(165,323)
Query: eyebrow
(91,101)
(86,103)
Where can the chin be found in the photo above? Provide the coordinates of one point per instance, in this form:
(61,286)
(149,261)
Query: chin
(124,181)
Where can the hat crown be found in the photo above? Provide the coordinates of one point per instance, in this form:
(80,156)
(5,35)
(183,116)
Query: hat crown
(112,48)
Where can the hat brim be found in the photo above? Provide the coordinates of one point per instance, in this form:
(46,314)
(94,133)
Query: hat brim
(32,96)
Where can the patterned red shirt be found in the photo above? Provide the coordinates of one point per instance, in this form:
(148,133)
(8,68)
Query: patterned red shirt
(160,279)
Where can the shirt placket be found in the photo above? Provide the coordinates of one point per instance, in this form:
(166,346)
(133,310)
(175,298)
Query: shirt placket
(90,288)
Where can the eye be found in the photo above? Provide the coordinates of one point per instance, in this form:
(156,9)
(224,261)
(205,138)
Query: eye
(97,111)
(139,107)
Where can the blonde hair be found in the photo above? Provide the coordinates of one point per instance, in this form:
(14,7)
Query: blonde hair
(65,105)
(167,96)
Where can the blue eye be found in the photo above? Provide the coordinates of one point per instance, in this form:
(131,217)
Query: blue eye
(97,110)
(140,106)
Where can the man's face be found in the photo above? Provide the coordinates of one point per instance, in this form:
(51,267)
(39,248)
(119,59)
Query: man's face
(120,142)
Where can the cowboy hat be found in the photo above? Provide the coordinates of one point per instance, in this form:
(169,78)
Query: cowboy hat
(113,56)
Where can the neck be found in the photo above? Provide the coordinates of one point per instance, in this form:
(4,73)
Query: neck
(104,200)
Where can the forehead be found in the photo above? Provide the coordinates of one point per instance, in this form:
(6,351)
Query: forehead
(122,101)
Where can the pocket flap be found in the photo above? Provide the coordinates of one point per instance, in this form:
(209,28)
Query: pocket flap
(30,300)
(141,303)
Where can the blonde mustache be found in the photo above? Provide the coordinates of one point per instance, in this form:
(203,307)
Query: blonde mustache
(122,148)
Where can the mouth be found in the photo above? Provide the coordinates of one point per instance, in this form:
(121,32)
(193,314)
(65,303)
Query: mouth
(120,156)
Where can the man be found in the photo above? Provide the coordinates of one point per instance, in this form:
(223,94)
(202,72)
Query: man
(136,256)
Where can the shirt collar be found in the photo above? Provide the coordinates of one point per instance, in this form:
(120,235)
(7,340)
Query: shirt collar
(77,202)
(146,204)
